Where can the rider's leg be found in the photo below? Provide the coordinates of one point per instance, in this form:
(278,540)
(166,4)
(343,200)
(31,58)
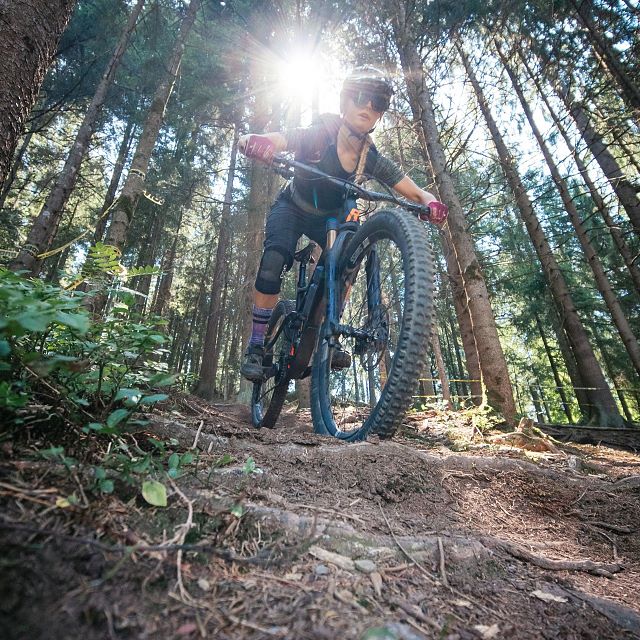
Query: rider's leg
(263,304)
(276,261)
(281,235)
(274,264)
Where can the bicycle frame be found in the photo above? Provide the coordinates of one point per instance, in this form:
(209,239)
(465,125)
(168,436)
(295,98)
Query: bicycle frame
(321,298)
(316,299)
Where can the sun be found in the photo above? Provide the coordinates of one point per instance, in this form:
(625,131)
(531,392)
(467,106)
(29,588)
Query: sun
(307,81)
(299,77)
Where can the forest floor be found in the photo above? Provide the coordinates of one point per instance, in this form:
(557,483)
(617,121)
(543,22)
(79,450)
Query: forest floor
(439,533)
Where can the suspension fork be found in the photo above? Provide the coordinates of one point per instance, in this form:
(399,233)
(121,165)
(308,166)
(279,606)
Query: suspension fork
(331,281)
(374,296)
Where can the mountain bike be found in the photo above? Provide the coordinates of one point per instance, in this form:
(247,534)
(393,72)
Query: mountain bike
(361,322)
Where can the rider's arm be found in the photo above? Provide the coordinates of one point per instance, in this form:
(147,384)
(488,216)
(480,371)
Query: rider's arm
(409,189)
(306,140)
(277,139)
(262,146)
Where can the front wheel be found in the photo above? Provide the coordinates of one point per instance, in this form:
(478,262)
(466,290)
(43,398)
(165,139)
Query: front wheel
(386,282)
(269,394)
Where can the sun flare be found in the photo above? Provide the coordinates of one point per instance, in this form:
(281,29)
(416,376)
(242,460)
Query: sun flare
(305,81)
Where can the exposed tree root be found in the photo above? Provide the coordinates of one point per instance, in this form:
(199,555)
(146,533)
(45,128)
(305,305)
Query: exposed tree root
(345,539)
(588,566)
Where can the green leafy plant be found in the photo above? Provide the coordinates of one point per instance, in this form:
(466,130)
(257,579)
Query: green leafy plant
(97,376)
(250,467)
(107,370)
(155,493)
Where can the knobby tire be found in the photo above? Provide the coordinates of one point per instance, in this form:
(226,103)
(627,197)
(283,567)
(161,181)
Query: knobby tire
(269,394)
(404,360)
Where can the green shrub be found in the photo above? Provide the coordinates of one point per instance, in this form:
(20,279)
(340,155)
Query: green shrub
(101,374)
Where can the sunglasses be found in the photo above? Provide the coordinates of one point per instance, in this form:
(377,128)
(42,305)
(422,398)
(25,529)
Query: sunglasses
(379,101)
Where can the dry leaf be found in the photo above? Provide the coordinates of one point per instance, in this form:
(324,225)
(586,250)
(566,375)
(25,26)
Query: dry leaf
(186,629)
(487,633)
(294,577)
(203,583)
(548,597)
(344,595)
(462,603)
(376,580)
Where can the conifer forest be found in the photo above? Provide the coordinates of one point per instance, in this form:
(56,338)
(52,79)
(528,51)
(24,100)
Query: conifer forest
(522,117)
(131,232)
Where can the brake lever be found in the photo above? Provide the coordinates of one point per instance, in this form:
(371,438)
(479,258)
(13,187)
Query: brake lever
(281,169)
(285,172)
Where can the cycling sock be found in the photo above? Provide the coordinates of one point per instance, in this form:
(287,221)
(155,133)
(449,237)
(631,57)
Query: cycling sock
(260,319)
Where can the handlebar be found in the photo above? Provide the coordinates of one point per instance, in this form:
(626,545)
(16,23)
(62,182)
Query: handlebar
(285,168)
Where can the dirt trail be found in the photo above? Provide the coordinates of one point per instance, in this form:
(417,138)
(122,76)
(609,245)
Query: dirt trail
(406,539)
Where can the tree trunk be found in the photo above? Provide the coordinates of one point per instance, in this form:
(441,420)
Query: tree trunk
(606,53)
(232,360)
(622,187)
(597,198)
(460,384)
(208,368)
(45,226)
(569,360)
(17,162)
(222,323)
(125,206)
(619,392)
(187,339)
(123,212)
(465,324)
(146,257)
(123,153)
(197,305)
(442,372)
(602,282)
(545,404)
(554,368)
(263,186)
(602,406)
(536,403)
(29,34)
(493,367)
(163,291)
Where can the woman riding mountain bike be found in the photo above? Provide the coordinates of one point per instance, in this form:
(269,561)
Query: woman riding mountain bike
(339,146)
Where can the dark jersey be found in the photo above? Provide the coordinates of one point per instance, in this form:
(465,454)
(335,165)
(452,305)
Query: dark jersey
(317,145)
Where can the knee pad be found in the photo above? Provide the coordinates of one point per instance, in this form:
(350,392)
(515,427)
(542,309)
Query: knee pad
(275,262)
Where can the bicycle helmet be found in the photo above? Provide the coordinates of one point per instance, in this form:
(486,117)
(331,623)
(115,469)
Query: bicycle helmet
(367,82)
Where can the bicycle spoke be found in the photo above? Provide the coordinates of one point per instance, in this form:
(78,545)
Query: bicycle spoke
(387,316)
(356,391)
(269,394)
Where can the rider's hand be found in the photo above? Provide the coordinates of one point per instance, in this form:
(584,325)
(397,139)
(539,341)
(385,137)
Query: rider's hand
(438,212)
(257,147)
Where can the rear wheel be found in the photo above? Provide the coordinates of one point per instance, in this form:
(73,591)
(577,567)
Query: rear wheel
(386,276)
(269,394)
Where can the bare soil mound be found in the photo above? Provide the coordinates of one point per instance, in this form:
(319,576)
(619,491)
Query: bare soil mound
(440,533)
